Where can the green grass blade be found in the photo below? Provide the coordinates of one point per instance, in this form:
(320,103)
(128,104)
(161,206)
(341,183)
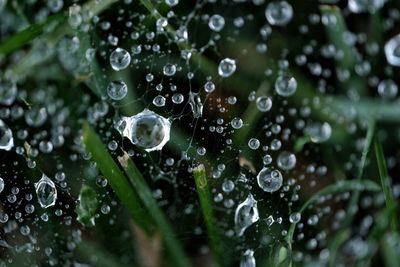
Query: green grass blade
(139,184)
(385,182)
(390,249)
(28,34)
(203,191)
(356,194)
(335,31)
(116,178)
(340,186)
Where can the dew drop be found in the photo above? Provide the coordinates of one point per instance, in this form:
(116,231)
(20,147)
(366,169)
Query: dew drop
(248,259)
(269,180)
(6,137)
(117,90)
(295,217)
(387,89)
(264,103)
(159,101)
(1,184)
(286,160)
(146,129)
(279,13)
(254,143)
(169,69)
(285,86)
(319,132)
(237,123)
(120,59)
(246,214)
(216,22)
(196,105)
(46,192)
(226,67)
(392,51)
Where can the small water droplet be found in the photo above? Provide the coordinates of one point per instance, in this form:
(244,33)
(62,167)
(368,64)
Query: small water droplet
(269,180)
(226,67)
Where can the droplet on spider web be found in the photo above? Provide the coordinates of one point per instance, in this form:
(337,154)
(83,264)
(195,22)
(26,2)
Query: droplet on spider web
(359,6)
(117,90)
(285,85)
(264,103)
(120,59)
(286,160)
(46,192)
(216,22)
(146,129)
(246,214)
(226,67)
(279,13)
(248,259)
(196,105)
(392,50)
(269,180)
(6,137)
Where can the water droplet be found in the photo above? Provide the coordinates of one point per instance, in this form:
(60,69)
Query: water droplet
(228,186)
(146,129)
(35,116)
(319,132)
(254,143)
(387,89)
(246,214)
(286,160)
(6,137)
(46,192)
(358,6)
(269,180)
(209,87)
(237,123)
(1,184)
(196,105)
(172,2)
(120,59)
(270,220)
(279,13)
(392,50)
(178,98)
(169,69)
(8,92)
(117,90)
(295,217)
(285,86)
(248,259)
(226,67)
(216,22)
(264,103)
(159,101)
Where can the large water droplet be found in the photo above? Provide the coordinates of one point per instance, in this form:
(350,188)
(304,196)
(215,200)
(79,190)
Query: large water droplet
(246,214)
(6,137)
(279,13)
(146,129)
(8,92)
(269,180)
(392,50)
(120,59)
(226,67)
(46,192)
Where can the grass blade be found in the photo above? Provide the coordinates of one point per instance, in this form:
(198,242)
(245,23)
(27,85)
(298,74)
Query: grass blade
(28,34)
(173,246)
(385,182)
(336,29)
(115,177)
(203,191)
